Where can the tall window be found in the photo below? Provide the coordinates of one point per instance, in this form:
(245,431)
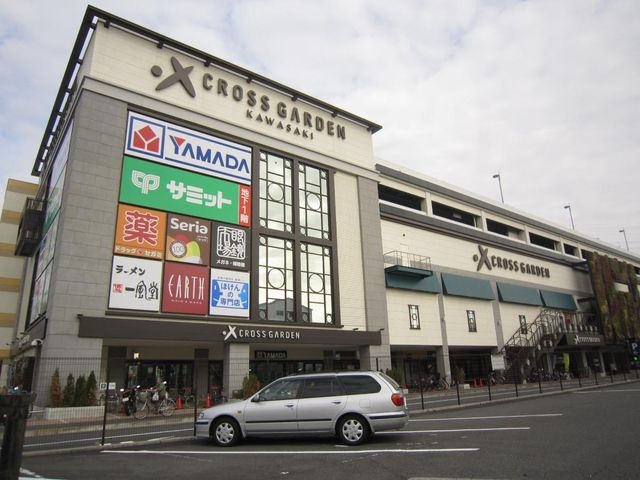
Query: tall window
(295,242)
(523,324)
(414,317)
(471,320)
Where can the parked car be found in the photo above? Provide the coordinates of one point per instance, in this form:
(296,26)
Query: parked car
(351,405)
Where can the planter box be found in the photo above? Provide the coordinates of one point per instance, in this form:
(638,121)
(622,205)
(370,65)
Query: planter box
(72,413)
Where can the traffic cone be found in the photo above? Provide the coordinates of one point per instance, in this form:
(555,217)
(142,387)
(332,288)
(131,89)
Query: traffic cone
(179,404)
(207,401)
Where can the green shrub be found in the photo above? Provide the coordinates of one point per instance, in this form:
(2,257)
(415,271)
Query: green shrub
(55,390)
(91,390)
(250,385)
(69,393)
(79,396)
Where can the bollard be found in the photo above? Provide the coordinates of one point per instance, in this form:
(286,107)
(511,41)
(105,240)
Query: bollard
(15,409)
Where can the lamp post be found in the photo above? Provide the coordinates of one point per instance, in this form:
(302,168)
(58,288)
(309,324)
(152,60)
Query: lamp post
(625,238)
(570,216)
(497,175)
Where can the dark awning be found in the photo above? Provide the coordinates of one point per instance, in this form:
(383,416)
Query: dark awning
(561,301)
(460,286)
(510,293)
(405,282)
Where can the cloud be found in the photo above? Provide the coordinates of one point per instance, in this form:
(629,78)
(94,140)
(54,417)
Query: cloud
(546,93)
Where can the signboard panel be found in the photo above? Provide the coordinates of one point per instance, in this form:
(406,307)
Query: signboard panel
(135,283)
(164,142)
(185,289)
(188,239)
(229,293)
(140,232)
(158,186)
(230,246)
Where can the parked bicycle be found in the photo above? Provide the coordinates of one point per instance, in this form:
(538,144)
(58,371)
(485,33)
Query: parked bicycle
(149,401)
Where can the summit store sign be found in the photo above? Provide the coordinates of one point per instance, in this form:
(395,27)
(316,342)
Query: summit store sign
(164,142)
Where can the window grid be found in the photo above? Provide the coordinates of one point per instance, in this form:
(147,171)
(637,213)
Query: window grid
(276,280)
(471,320)
(414,317)
(315,268)
(313,202)
(295,275)
(523,324)
(276,197)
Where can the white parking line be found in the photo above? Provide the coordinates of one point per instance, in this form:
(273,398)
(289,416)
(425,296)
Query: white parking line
(492,417)
(609,390)
(280,452)
(453,430)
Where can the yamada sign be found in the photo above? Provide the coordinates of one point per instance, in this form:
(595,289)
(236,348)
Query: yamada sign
(157,186)
(170,144)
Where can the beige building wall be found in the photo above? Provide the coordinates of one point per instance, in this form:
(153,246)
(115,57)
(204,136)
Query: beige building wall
(11,266)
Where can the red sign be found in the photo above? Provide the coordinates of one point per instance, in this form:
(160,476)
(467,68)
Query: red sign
(185,289)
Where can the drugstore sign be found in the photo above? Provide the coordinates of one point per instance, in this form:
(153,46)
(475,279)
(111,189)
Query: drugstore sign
(149,184)
(176,146)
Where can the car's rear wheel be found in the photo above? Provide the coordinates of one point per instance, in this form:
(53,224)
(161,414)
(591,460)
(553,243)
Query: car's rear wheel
(225,432)
(353,430)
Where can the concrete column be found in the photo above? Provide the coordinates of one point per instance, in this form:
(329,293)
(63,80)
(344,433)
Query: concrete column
(200,372)
(442,362)
(236,366)
(603,369)
(375,357)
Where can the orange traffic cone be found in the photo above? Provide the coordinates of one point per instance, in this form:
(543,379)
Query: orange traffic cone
(207,401)
(179,404)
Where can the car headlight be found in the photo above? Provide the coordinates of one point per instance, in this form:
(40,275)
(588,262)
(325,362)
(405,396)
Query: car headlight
(201,415)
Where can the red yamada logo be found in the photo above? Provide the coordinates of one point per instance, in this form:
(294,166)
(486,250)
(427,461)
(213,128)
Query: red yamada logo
(147,139)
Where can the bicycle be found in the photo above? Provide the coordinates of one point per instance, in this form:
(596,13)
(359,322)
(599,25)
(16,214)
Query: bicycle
(145,404)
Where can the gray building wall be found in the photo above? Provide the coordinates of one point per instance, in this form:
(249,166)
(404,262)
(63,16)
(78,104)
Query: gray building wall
(82,258)
(373,357)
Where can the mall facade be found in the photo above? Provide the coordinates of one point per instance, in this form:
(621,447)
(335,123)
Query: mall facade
(196,221)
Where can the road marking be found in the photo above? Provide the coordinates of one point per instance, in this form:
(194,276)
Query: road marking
(492,417)
(453,430)
(280,452)
(608,390)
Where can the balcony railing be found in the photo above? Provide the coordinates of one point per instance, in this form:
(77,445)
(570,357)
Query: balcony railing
(407,263)
(30,229)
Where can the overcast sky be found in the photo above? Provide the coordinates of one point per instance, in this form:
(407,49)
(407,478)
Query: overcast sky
(546,93)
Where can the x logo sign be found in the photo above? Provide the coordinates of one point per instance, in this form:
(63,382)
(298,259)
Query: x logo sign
(483,258)
(230,333)
(181,74)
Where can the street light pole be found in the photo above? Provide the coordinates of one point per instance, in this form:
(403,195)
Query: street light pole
(497,175)
(625,238)
(573,227)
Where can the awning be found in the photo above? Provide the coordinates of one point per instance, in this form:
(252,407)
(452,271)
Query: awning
(420,284)
(460,286)
(510,293)
(561,301)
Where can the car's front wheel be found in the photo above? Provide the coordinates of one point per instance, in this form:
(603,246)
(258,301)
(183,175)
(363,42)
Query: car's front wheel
(225,432)
(353,430)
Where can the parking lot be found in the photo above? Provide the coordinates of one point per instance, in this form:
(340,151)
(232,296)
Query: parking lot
(588,433)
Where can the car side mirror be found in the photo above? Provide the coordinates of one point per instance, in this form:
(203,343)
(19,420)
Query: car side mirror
(256,398)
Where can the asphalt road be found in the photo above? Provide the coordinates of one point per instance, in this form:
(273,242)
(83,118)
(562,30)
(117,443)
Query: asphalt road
(590,433)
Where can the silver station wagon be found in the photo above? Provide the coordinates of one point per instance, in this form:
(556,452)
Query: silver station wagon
(351,405)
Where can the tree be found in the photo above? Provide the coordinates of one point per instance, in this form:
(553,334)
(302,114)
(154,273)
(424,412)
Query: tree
(81,392)
(69,393)
(250,385)
(55,390)
(91,390)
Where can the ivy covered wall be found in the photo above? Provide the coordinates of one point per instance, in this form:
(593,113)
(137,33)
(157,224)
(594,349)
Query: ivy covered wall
(619,311)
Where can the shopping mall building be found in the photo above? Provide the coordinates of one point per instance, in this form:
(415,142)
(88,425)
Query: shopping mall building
(196,221)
